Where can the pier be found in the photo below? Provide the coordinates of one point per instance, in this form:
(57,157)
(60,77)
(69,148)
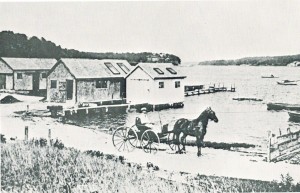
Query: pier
(191,90)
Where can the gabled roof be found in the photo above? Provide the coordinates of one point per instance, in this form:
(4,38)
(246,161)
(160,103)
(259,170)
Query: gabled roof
(93,68)
(30,63)
(4,68)
(159,70)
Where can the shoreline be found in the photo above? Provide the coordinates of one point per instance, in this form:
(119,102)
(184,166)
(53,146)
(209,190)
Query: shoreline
(214,162)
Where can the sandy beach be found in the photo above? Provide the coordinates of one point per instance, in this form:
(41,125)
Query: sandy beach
(212,162)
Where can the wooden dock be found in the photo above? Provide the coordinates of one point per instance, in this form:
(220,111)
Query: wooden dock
(115,108)
(191,90)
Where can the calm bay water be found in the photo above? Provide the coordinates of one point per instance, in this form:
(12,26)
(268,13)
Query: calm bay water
(239,121)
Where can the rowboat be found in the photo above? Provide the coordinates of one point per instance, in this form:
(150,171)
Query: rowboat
(294,116)
(271,76)
(283,106)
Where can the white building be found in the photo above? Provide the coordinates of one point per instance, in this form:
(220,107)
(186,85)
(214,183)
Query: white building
(155,83)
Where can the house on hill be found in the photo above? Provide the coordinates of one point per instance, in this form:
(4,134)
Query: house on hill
(25,74)
(155,83)
(87,80)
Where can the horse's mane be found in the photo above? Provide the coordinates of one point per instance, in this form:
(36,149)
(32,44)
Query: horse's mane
(202,118)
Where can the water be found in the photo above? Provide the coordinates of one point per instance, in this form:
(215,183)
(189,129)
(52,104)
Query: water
(239,121)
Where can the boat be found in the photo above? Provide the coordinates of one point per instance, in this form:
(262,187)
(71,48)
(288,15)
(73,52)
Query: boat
(287,82)
(283,106)
(271,76)
(294,116)
(246,99)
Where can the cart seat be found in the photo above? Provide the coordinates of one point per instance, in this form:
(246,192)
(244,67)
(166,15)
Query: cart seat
(139,125)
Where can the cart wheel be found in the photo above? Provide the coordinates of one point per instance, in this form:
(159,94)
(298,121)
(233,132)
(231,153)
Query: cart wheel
(172,142)
(150,141)
(125,139)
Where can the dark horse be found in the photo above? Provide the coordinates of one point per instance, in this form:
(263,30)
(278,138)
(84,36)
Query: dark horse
(195,127)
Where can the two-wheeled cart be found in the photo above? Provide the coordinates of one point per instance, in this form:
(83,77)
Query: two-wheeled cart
(140,136)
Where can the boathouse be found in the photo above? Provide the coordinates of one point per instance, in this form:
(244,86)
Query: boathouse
(87,80)
(155,83)
(26,75)
(6,76)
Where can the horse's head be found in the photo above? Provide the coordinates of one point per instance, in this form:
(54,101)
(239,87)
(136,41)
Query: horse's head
(211,115)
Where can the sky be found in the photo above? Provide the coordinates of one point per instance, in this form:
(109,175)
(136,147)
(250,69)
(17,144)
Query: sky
(193,30)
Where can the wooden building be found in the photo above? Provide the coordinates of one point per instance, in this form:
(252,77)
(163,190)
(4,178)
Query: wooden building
(155,83)
(6,76)
(87,80)
(25,74)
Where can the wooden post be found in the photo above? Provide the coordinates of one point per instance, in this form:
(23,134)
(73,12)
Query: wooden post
(279,131)
(269,146)
(49,136)
(26,133)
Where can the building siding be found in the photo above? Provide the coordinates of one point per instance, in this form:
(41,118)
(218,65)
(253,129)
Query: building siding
(59,94)
(168,94)
(87,91)
(141,88)
(138,87)
(25,83)
(4,69)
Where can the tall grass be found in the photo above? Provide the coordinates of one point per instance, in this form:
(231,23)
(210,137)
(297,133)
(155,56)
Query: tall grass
(32,167)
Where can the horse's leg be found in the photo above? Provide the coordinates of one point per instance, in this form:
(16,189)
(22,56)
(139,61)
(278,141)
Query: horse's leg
(182,141)
(178,143)
(199,144)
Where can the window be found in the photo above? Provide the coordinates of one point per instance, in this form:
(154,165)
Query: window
(111,68)
(19,75)
(44,75)
(171,70)
(123,67)
(53,84)
(161,84)
(101,83)
(177,84)
(159,71)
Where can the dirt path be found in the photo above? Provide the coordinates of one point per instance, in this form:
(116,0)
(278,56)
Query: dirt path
(213,162)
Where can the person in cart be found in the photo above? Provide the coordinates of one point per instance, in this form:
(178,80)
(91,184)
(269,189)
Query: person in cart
(145,121)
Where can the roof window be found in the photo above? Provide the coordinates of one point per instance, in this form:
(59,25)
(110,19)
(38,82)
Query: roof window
(123,67)
(171,70)
(158,70)
(111,68)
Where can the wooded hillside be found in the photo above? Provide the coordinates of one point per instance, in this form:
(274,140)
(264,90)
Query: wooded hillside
(19,45)
(256,61)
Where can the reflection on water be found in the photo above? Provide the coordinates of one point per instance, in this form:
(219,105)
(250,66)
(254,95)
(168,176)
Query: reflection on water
(239,121)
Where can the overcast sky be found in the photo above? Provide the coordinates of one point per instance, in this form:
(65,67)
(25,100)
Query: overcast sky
(195,31)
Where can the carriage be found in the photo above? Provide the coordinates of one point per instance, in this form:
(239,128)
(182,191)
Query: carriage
(141,136)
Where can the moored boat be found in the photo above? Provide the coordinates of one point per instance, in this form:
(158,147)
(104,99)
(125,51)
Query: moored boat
(287,82)
(270,76)
(294,116)
(283,106)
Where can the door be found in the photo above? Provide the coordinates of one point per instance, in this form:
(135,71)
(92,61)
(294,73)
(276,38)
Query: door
(69,89)
(2,81)
(35,82)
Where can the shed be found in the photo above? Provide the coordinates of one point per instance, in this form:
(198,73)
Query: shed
(6,76)
(87,80)
(28,74)
(155,83)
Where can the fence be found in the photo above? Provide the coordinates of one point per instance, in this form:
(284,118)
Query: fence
(284,146)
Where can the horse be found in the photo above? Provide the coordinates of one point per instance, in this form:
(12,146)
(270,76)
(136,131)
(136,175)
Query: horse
(196,127)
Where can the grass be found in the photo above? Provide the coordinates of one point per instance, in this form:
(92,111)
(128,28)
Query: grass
(36,167)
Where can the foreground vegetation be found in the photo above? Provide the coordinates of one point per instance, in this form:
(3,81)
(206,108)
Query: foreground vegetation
(36,167)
